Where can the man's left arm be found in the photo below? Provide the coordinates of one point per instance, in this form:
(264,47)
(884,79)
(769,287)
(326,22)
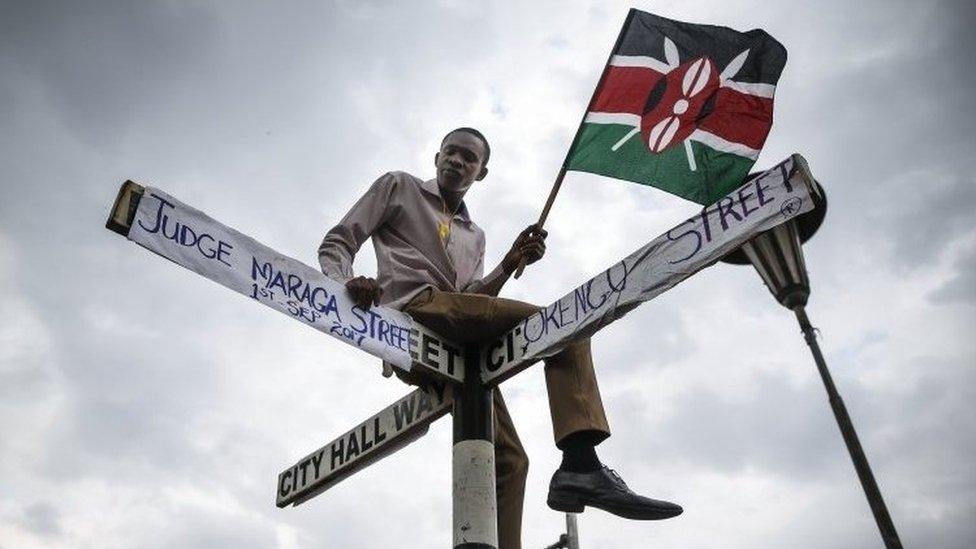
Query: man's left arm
(530,244)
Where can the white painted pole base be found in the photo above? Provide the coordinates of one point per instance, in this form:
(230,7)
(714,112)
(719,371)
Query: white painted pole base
(475,516)
(572,532)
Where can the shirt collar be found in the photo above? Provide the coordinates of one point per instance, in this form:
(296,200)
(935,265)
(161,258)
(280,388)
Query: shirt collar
(430,186)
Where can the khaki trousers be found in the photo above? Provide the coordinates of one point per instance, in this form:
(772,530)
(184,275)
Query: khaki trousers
(574,397)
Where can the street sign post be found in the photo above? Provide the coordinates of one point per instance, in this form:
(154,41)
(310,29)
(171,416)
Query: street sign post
(465,376)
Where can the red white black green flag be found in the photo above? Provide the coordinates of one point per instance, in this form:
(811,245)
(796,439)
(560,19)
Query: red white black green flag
(685,108)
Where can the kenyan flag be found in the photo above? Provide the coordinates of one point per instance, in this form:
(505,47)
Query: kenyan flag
(681,107)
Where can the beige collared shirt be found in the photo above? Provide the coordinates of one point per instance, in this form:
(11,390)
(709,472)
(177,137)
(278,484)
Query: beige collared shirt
(401,214)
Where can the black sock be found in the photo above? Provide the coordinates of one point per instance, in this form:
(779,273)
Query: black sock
(579,454)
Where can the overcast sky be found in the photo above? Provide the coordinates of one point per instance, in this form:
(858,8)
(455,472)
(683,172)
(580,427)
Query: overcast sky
(143,406)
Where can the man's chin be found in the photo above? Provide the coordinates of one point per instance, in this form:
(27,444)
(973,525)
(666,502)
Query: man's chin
(454,184)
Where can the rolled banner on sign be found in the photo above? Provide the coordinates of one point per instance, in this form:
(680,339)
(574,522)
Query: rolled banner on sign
(192,239)
(775,196)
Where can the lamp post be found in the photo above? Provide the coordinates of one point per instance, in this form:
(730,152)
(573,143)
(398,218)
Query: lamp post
(777,255)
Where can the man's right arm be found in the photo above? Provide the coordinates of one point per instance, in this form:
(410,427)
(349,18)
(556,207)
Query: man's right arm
(338,249)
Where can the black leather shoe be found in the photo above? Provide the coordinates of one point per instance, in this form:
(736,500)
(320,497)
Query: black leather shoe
(569,492)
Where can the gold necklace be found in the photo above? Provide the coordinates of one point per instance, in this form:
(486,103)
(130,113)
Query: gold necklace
(444,226)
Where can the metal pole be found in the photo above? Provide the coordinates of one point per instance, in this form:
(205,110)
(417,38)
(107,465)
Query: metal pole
(572,533)
(545,212)
(569,540)
(475,515)
(563,543)
(878,507)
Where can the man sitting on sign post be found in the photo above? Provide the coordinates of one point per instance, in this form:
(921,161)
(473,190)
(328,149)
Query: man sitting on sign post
(430,258)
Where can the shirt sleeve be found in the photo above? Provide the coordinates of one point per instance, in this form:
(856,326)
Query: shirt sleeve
(339,247)
(479,281)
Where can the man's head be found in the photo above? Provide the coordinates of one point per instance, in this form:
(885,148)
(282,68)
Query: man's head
(462,160)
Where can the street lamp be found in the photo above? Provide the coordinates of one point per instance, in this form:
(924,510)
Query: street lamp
(777,255)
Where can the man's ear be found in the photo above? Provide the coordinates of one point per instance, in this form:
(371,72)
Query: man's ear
(482,173)
(437,156)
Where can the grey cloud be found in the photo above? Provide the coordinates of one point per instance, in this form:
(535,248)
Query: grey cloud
(921,458)
(961,286)
(950,530)
(196,531)
(647,340)
(42,518)
(936,434)
(101,62)
(781,427)
(956,22)
(940,214)
(893,135)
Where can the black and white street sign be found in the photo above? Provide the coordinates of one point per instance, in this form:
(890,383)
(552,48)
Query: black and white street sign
(379,436)
(775,196)
(188,237)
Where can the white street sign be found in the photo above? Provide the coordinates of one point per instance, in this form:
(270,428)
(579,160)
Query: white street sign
(379,436)
(194,240)
(775,196)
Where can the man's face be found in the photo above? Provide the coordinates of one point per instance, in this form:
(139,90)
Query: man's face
(460,162)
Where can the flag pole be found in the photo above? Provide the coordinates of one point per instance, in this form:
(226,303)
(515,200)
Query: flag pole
(579,130)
